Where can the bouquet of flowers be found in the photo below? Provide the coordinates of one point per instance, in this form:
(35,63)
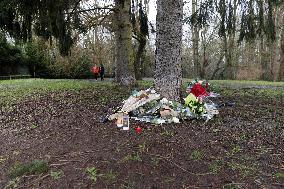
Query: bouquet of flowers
(198,92)
(195,105)
(198,88)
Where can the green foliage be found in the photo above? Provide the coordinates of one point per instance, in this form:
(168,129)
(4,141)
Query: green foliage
(34,126)
(234,151)
(35,58)
(244,170)
(13,183)
(142,147)
(46,62)
(93,173)
(110,177)
(254,20)
(231,186)
(76,66)
(216,166)
(167,133)
(134,157)
(197,155)
(55,175)
(47,18)
(34,167)
(2,159)
(279,175)
(10,56)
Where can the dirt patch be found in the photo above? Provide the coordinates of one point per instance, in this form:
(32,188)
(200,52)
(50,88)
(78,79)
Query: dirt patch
(242,147)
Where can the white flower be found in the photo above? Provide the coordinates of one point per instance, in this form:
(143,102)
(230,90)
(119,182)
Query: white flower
(161,121)
(175,120)
(153,91)
(164,101)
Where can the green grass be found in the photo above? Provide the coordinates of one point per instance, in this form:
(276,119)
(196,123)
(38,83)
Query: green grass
(279,175)
(110,177)
(216,166)
(55,175)
(34,167)
(93,173)
(2,159)
(243,169)
(228,83)
(13,183)
(232,186)
(133,157)
(197,155)
(247,83)
(239,87)
(12,91)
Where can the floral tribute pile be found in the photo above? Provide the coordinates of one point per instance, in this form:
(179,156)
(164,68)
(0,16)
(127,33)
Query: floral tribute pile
(148,106)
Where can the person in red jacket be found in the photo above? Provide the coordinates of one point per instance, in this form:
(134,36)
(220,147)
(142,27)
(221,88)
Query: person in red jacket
(96,71)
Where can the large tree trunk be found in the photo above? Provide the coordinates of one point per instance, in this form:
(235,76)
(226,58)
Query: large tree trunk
(281,68)
(123,37)
(265,57)
(139,57)
(230,73)
(229,58)
(168,75)
(195,42)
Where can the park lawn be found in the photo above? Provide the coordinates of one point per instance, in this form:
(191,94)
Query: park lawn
(51,136)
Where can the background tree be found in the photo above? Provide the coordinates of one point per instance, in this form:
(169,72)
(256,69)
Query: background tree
(281,69)
(141,32)
(123,36)
(195,41)
(168,76)
(11,57)
(242,22)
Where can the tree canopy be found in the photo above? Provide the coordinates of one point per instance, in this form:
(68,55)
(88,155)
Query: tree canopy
(256,17)
(47,18)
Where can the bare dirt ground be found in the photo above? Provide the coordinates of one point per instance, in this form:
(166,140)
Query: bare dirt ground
(242,147)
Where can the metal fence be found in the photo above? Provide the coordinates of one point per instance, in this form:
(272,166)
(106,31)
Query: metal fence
(9,77)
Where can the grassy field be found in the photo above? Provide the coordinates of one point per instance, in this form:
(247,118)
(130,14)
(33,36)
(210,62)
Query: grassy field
(52,136)
(247,83)
(13,90)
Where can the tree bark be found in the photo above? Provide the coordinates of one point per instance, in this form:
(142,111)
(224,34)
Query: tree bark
(139,57)
(123,37)
(230,45)
(265,57)
(168,75)
(281,68)
(195,43)
(217,66)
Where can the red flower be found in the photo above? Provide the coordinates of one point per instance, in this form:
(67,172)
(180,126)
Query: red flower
(198,90)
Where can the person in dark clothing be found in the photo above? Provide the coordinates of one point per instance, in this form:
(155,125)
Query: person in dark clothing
(102,72)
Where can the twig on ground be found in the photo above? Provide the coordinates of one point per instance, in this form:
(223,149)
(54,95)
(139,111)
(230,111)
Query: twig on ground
(58,164)
(198,174)
(33,182)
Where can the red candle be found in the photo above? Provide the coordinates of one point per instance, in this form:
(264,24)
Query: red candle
(138,130)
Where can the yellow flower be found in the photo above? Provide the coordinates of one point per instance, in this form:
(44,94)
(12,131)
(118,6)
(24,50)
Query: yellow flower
(189,99)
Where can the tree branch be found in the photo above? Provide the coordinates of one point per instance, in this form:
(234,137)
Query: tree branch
(72,12)
(92,9)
